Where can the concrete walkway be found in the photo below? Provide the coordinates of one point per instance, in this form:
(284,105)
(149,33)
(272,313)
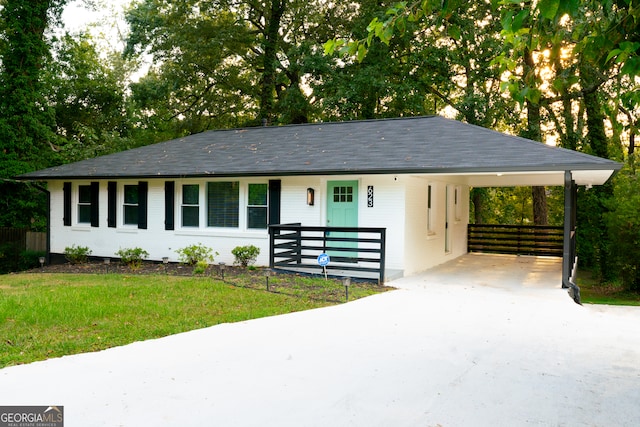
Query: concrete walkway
(480,341)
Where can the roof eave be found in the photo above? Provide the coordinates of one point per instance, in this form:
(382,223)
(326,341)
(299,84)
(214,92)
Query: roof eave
(609,166)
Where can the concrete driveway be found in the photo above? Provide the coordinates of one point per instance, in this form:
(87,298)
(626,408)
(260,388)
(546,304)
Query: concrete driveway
(480,341)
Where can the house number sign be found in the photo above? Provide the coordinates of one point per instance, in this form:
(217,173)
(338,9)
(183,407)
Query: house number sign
(370,196)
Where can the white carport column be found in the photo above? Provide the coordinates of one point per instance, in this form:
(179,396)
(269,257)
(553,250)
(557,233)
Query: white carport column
(569,258)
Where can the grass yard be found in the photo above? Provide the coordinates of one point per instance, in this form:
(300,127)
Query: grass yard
(607,294)
(593,292)
(51,315)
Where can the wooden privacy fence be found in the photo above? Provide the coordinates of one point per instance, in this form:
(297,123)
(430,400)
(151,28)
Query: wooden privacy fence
(23,239)
(515,239)
(350,249)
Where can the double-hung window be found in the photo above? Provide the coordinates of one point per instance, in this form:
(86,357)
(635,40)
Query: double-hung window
(131,204)
(191,205)
(84,204)
(257,206)
(223,204)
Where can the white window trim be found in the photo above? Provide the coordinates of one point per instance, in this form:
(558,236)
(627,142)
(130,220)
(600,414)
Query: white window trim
(247,205)
(120,205)
(75,207)
(199,205)
(204,228)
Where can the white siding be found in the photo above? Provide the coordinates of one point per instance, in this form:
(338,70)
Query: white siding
(294,201)
(387,212)
(425,249)
(105,242)
(399,205)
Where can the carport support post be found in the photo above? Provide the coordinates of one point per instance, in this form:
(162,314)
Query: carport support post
(569,240)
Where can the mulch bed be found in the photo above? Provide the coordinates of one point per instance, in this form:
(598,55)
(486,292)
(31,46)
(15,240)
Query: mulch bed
(147,267)
(254,278)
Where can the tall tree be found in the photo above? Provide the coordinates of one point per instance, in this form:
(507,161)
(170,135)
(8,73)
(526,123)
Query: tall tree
(229,62)
(26,122)
(85,86)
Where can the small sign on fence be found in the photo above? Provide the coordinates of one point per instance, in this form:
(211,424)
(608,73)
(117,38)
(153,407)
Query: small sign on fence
(323,261)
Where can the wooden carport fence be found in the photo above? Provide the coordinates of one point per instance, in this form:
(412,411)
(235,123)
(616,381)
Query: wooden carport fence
(24,239)
(515,239)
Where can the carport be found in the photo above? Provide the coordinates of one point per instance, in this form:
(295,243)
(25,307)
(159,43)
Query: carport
(569,180)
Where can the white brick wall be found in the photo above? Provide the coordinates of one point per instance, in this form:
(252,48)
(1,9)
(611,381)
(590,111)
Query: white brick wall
(399,204)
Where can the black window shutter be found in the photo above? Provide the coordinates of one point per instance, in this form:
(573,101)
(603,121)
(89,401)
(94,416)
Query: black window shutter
(66,195)
(95,200)
(112,207)
(169,204)
(143,190)
(275,188)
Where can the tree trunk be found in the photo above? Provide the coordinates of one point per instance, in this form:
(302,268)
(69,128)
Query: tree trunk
(597,140)
(539,194)
(540,211)
(270,60)
(596,135)
(478,198)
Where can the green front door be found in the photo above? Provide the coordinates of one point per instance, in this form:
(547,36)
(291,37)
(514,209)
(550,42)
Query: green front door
(342,211)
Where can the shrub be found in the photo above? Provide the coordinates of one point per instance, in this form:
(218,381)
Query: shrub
(200,267)
(133,257)
(30,259)
(193,254)
(77,254)
(12,258)
(623,226)
(245,255)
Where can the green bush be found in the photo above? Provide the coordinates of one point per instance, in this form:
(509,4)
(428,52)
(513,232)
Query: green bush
(30,259)
(77,254)
(133,257)
(200,267)
(12,258)
(245,255)
(194,254)
(623,226)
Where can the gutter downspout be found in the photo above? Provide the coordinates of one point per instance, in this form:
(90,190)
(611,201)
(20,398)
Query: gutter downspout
(48,194)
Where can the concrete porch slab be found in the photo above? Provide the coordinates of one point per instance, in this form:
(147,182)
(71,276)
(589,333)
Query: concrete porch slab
(509,272)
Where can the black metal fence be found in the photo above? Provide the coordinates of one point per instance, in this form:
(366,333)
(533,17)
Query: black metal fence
(351,249)
(515,239)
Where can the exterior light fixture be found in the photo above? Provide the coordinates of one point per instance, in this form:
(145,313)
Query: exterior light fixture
(107,262)
(222,267)
(41,259)
(311,197)
(346,281)
(165,261)
(267,273)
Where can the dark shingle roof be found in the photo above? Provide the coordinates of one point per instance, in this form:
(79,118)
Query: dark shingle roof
(407,145)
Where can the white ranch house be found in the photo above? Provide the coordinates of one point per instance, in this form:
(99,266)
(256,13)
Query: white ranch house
(223,188)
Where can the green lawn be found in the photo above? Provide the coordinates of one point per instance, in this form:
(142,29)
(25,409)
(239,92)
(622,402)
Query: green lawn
(593,292)
(51,315)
